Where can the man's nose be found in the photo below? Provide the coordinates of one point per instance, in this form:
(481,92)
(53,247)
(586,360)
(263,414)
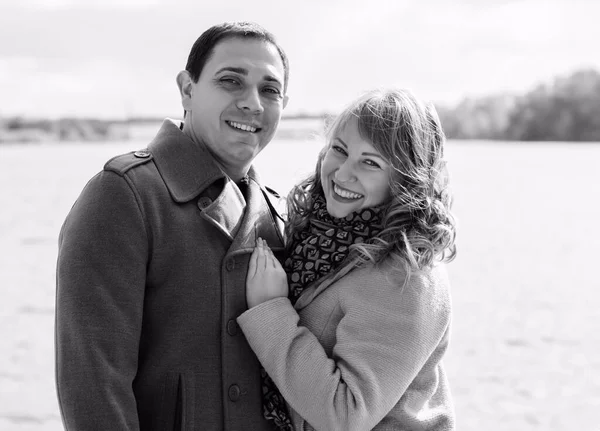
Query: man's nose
(250,101)
(345,173)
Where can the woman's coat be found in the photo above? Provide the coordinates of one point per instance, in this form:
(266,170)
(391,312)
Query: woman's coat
(360,353)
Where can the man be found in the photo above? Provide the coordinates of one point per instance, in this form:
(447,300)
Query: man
(153,256)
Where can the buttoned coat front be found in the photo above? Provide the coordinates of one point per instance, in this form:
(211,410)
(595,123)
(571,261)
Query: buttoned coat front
(150,279)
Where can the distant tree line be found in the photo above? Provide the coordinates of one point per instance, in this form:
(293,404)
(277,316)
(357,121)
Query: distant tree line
(21,129)
(566,110)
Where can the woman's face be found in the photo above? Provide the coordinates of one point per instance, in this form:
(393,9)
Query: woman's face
(353,173)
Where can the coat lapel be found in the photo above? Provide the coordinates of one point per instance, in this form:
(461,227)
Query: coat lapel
(227,211)
(258,221)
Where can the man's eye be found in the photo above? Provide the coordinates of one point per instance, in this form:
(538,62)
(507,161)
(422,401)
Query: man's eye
(229,81)
(272,90)
(272,93)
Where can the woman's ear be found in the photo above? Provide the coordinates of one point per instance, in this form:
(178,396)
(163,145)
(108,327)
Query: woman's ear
(186,88)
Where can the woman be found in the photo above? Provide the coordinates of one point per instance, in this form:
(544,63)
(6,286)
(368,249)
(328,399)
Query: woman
(358,344)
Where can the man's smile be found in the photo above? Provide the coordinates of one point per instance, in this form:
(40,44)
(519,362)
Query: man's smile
(243,127)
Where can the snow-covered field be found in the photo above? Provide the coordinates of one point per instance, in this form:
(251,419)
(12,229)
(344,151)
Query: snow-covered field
(525,351)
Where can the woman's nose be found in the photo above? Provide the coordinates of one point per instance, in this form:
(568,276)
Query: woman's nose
(345,173)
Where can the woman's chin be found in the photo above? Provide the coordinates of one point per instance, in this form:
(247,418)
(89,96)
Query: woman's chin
(335,209)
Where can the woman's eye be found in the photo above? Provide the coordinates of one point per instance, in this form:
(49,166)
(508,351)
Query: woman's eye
(339,150)
(372,163)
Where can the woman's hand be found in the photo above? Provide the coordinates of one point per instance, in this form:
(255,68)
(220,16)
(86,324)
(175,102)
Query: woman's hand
(266,278)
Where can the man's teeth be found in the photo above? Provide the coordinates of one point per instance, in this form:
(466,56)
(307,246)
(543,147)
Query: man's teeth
(242,126)
(345,194)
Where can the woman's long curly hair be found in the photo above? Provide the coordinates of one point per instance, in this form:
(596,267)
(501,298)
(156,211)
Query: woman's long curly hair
(418,226)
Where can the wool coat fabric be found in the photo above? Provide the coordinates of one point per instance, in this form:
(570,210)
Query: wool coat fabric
(360,351)
(151,276)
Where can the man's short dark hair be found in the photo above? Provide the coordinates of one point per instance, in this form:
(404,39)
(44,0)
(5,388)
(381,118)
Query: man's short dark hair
(204,46)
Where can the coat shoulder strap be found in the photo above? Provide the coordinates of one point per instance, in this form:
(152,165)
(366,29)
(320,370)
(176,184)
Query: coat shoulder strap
(121,164)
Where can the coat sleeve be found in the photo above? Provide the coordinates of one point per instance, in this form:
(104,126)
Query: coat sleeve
(101,270)
(384,338)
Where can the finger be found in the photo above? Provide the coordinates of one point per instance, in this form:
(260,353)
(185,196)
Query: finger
(262,257)
(272,259)
(269,260)
(268,253)
(253,264)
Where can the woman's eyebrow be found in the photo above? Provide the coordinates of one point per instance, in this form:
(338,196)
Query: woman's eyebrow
(342,142)
(366,153)
(373,155)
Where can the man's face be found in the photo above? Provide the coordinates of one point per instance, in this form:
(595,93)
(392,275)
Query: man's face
(236,105)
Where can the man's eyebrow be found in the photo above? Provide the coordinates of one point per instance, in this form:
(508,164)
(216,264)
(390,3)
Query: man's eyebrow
(272,79)
(244,72)
(239,70)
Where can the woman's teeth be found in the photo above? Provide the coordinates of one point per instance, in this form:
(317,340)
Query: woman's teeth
(242,126)
(345,194)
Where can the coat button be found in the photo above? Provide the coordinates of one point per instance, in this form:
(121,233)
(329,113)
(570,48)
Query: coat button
(142,154)
(234,393)
(230,264)
(203,202)
(232,327)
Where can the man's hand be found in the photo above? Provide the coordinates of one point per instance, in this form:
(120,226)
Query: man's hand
(266,278)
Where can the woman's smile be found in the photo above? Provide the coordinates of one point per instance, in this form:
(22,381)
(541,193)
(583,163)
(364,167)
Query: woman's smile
(343,194)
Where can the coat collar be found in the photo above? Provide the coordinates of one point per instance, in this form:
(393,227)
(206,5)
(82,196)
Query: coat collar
(244,221)
(311,292)
(186,167)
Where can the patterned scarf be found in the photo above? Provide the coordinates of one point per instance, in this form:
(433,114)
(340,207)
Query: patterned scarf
(316,251)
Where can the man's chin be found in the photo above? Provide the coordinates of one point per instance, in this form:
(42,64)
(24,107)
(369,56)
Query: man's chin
(244,142)
(245,156)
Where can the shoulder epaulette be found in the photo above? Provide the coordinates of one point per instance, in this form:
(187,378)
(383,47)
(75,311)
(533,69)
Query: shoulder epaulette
(124,162)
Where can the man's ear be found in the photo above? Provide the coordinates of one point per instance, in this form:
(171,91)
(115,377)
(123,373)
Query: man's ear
(286,98)
(185,84)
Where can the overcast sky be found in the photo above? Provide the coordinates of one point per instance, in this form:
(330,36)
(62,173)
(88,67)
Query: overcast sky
(114,58)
